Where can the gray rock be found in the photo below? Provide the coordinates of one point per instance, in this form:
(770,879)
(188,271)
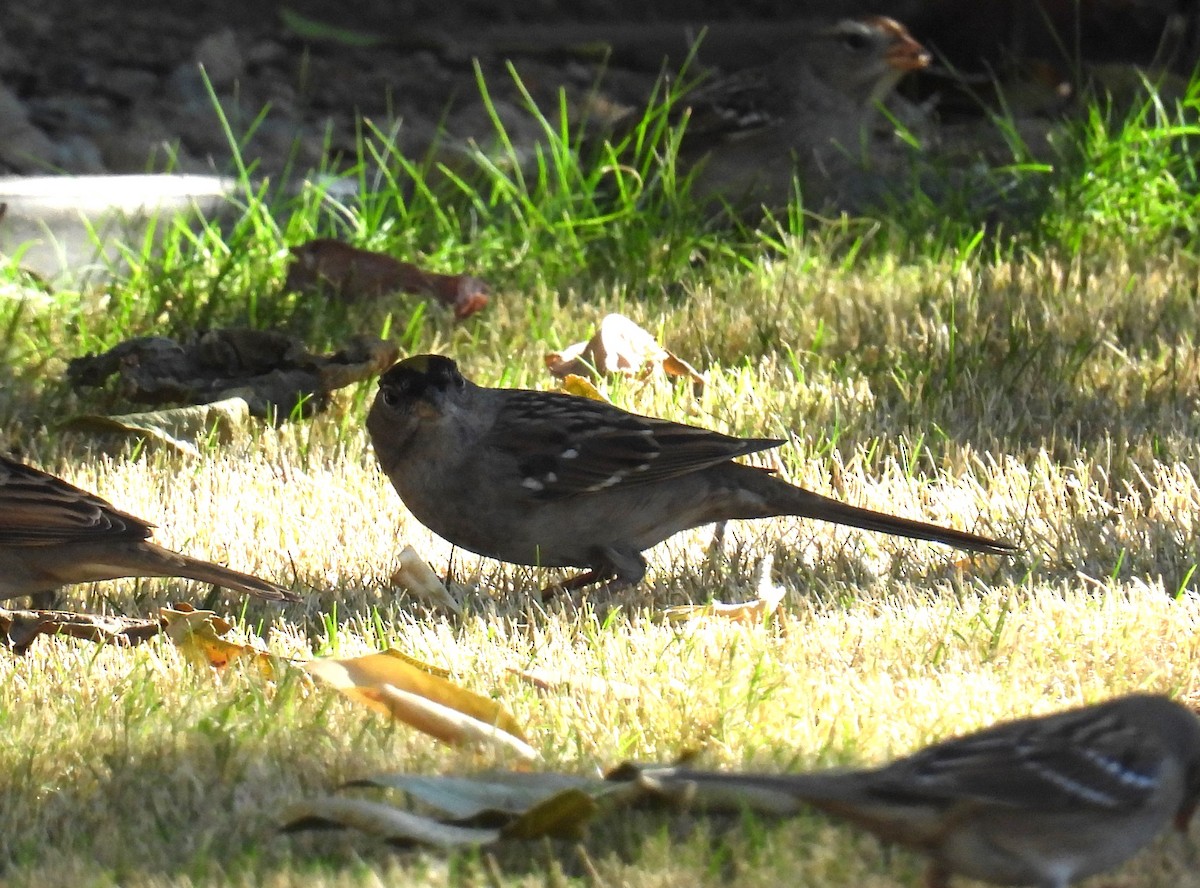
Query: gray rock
(185,86)
(23,147)
(75,153)
(131,84)
(219,56)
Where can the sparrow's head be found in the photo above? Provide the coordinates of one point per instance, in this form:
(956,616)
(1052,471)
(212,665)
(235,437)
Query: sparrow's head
(1170,732)
(865,57)
(419,378)
(417,389)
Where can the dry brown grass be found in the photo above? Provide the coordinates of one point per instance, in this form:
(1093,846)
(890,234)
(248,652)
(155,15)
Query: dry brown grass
(1051,404)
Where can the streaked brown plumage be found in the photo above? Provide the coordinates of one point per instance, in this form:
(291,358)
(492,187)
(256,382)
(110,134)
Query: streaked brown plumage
(555,480)
(1039,802)
(53,534)
(808,114)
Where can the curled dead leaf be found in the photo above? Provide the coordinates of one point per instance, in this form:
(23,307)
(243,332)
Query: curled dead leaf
(20,628)
(756,610)
(451,810)
(573,384)
(385,821)
(179,428)
(272,371)
(197,634)
(491,795)
(417,578)
(446,723)
(620,346)
(351,274)
(396,685)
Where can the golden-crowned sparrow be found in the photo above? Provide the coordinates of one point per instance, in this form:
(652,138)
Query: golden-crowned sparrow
(1041,801)
(556,480)
(806,114)
(52,534)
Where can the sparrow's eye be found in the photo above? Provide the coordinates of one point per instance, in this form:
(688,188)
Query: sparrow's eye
(855,41)
(397,390)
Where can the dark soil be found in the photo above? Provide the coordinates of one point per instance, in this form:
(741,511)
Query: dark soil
(112,83)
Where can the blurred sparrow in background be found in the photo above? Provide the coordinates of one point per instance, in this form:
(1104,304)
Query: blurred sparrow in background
(810,113)
(1041,802)
(53,534)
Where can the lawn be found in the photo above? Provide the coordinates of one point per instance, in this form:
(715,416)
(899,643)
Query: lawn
(1034,378)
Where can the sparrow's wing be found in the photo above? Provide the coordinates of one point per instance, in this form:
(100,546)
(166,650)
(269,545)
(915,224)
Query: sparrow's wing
(739,103)
(1095,758)
(39,509)
(566,445)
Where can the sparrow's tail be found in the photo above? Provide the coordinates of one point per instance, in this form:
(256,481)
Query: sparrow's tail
(813,505)
(762,495)
(781,794)
(207,572)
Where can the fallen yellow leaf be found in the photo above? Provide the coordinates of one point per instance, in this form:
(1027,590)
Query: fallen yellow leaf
(417,578)
(574,384)
(396,685)
(197,634)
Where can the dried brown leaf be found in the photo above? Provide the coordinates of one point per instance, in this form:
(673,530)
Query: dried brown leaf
(21,627)
(385,821)
(352,274)
(755,611)
(620,346)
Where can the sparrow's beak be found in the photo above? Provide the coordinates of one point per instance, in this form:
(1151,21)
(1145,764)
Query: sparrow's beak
(906,54)
(425,408)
